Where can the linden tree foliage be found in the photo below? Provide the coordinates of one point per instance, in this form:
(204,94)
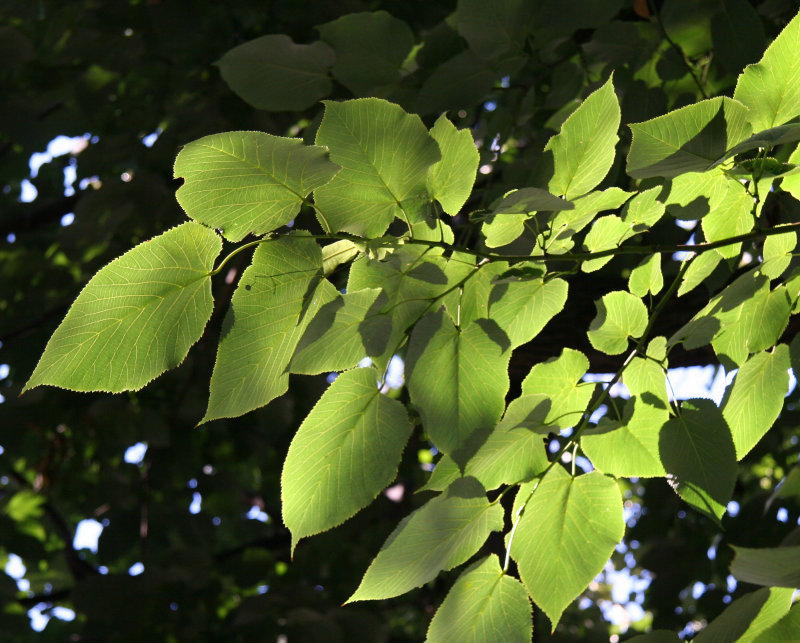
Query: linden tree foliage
(404,228)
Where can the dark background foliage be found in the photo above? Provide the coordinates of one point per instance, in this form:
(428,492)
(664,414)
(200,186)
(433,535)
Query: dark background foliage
(118,71)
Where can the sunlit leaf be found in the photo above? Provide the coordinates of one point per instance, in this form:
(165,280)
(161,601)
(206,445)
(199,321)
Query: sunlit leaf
(568,531)
(769,88)
(755,399)
(457,378)
(690,139)
(384,153)
(277,296)
(248,182)
(646,277)
(748,616)
(438,536)
(343,455)
(584,149)
(450,179)
(137,317)
(785,629)
(620,315)
(559,381)
(344,331)
(484,605)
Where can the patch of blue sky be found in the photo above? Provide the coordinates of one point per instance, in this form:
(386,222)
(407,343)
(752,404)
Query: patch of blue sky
(87,535)
(135,454)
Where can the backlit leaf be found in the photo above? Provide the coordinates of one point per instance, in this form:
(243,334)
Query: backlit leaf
(690,139)
(457,378)
(748,616)
(137,317)
(620,315)
(384,153)
(484,605)
(646,277)
(438,536)
(559,380)
(248,182)
(584,149)
(755,398)
(567,533)
(344,331)
(343,455)
(698,454)
(770,88)
(771,566)
(450,179)
(267,317)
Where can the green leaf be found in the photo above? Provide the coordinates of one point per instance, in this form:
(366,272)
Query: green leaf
(494,28)
(644,210)
(438,536)
(559,380)
(566,224)
(269,312)
(769,138)
(747,617)
(755,398)
(510,454)
(745,317)
(776,566)
(450,179)
(411,277)
(483,606)
(607,232)
(620,315)
(791,184)
(336,254)
(248,182)
(344,331)
(274,73)
(530,413)
(690,139)
(631,447)
(731,215)
(457,378)
(769,88)
(584,149)
(754,326)
(568,531)
(777,253)
(343,455)
(136,318)
(701,267)
(785,630)
(384,153)
(502,229)
(522,307)
(529,200)
(370,49)
(646,277)
(699,456)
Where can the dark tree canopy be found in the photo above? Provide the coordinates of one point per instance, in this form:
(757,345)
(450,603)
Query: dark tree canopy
(518,199)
